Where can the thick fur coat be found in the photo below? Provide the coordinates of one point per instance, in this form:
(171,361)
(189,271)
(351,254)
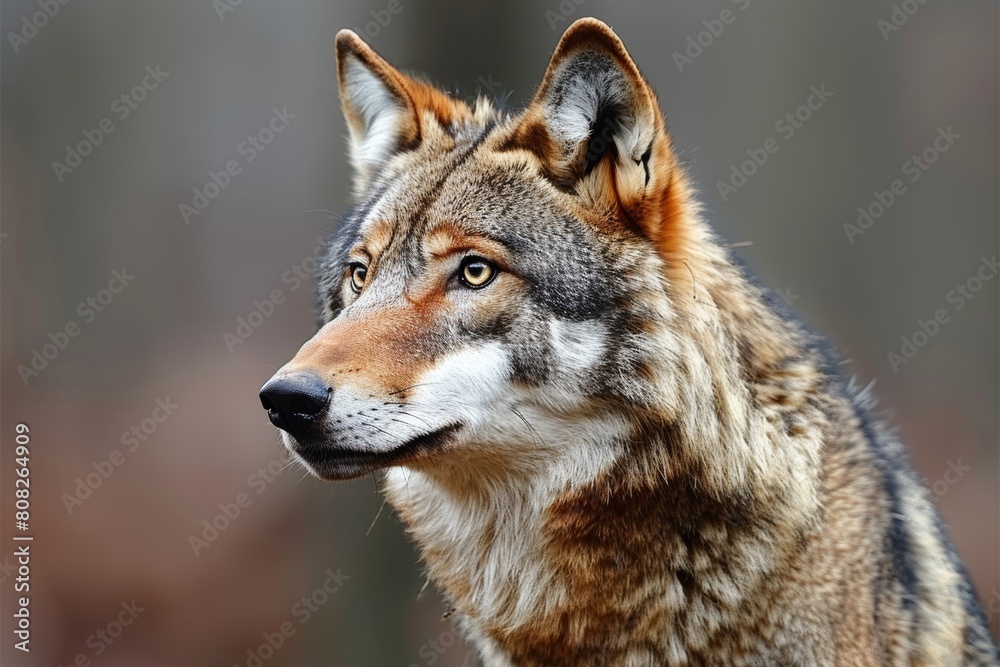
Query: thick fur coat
(609,445)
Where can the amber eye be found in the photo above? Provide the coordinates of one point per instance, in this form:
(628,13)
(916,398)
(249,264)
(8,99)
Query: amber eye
(359,275)
(477,272)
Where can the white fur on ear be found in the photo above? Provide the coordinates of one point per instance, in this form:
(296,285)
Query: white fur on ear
(380,116)
(590,99)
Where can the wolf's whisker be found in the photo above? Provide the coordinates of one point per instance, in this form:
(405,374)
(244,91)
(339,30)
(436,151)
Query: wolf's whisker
(377,515)
(534,433)
(410,414)
(413,386)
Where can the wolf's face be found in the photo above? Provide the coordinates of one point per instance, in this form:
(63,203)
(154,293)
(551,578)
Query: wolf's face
(489,302)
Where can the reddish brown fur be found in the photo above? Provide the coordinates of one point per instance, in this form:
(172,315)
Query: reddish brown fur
(751,517)
(382,354)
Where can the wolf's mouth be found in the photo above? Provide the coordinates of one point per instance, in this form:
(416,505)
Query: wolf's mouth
(337,463)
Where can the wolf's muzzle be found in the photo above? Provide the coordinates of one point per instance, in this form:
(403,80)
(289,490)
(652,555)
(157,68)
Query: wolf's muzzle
(294,403)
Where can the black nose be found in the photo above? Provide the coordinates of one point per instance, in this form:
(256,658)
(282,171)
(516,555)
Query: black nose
(294,403)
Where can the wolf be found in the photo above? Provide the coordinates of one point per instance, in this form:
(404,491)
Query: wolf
(610,446)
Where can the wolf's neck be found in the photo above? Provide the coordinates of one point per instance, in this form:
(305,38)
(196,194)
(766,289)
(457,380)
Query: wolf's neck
(482,555)
(485,538)
(675,523)
(567,565)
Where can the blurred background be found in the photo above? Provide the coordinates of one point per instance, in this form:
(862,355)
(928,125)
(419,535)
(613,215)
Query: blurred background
(131,348)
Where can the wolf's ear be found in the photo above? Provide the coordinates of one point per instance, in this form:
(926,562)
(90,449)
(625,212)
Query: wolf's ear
(387,112)
(595,123)
(380,116)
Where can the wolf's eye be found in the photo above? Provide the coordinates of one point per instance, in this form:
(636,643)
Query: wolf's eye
(359,275)
(477,272)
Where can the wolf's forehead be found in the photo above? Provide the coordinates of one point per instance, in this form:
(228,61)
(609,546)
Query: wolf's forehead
(466,189)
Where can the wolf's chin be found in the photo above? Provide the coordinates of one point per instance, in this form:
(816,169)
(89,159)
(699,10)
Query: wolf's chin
(330,462)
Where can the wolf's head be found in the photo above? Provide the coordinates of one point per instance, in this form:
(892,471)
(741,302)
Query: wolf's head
(517,293)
